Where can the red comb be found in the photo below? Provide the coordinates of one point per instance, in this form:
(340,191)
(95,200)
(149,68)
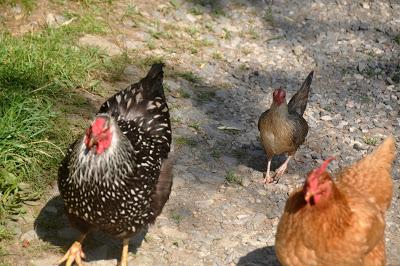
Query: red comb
(318,171)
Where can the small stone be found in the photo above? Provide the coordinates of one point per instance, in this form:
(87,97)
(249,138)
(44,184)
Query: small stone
(242,216)
(363,26)
(365,5)
(390,81)
(361,66)
(17,9)
(50,20)
(203,204)
(298,50)
(258,220)
(352,129)
(29,236)
(245,182)
(358,146)
(49,259)
(173,233)
(342,124)
(326,118)
(262,192)
(358,76)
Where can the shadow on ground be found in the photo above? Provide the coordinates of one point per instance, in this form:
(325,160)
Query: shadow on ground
(260,257)
(52,226)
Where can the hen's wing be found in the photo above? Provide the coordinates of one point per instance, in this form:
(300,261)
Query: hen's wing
(298,103)
(263,116)
(141,110)
(162,190)
(371,176)
(300,129)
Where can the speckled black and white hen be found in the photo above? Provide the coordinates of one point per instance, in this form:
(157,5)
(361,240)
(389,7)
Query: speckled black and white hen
(117,176)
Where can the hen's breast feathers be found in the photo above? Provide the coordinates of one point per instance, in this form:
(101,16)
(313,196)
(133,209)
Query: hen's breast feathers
(282,134)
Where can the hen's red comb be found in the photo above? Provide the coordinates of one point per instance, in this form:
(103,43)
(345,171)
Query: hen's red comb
(318,171)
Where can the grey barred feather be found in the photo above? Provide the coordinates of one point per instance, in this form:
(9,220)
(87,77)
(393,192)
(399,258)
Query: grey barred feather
(125,187)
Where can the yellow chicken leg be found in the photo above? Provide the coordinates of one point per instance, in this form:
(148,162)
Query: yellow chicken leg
(74,253)
(124,257)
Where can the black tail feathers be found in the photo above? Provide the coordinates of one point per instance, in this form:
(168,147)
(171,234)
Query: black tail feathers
(152,83)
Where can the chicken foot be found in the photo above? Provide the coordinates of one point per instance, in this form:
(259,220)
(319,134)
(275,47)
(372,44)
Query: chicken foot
(281,170)
(74,253)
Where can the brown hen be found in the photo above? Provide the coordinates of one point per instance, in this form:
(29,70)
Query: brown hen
(339,223)
(282,127)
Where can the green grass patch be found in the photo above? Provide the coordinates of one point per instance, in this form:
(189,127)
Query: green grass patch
(397,39)
(26,4)
(115,66)
(370,140)
(188,75)
(183,94)
(205,96)
(185,141)
(216,154)
(195,125)
(37,73)
(232,178)
(176,217)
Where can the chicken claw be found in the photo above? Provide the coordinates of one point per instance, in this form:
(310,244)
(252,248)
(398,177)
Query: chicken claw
(267,178)
(266,175)
(281,170)
(74,254)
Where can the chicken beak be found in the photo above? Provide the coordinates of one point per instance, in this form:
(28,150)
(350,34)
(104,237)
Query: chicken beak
(308,196)
(92,142)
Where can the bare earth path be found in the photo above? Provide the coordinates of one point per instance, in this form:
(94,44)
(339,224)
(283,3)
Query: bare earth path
(237,53)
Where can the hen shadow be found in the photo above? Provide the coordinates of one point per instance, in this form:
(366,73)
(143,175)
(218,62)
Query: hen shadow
(52,226)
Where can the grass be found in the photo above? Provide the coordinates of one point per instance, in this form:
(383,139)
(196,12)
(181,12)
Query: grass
(205,96)
(176,217)
(188,75)
(216,154)
(397,39)
(195,125)
(217,56)
(253,34)
(37,73)
(26,4)
(115,66)
(269,15)
(369,140)
(185,141)
(232,178)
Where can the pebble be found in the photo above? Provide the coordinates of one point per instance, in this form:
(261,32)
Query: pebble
(326,118)
(203,204)
(29,236)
